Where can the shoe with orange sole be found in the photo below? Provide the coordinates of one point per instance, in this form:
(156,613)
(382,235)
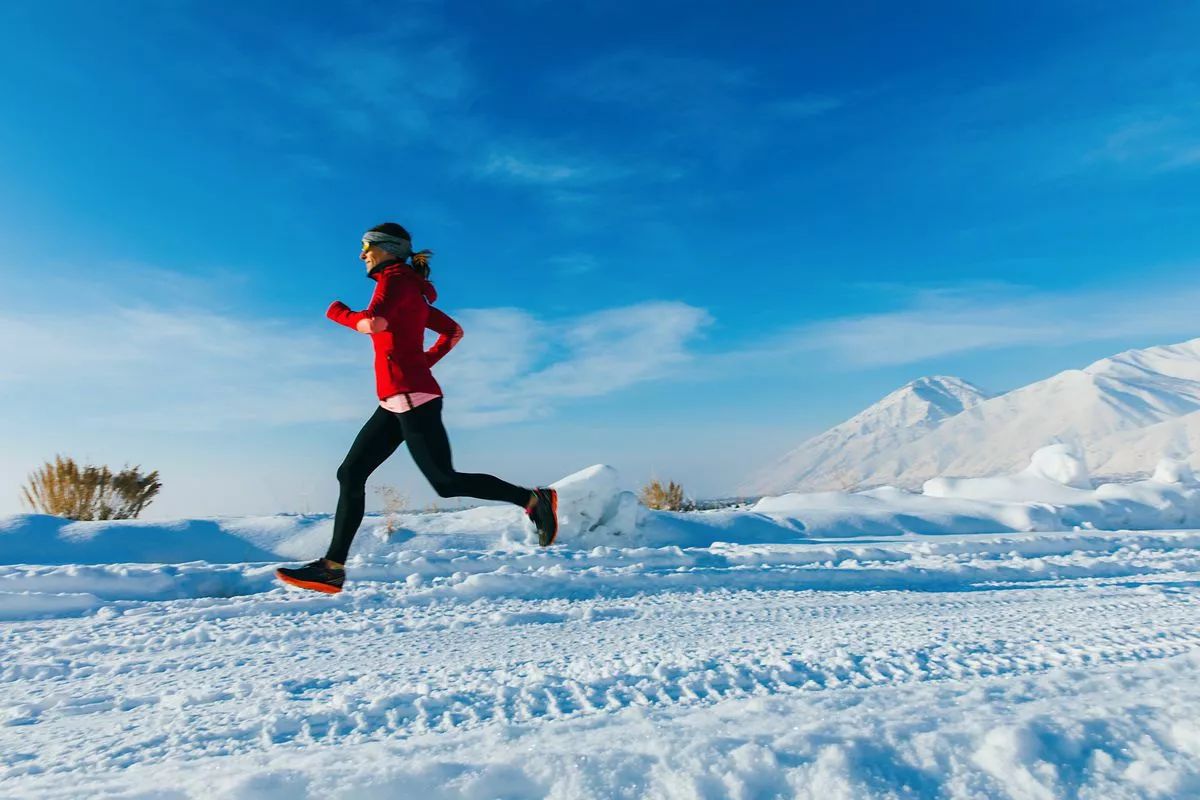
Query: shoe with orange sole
(315,576)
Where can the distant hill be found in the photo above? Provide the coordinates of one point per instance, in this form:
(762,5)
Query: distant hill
(1123,413)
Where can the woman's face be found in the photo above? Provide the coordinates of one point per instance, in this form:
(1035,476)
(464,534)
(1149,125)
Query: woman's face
(374,255)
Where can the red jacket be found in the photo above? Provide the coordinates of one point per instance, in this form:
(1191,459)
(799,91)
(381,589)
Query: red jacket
(401,361)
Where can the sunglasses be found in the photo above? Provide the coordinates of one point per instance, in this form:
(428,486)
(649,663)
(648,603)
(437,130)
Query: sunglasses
(367,246)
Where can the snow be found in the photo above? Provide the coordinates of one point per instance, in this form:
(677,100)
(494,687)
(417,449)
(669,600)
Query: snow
(40,539)
(1170,470)
(836,458)
(986,638)
(1060,463)
(1122,414)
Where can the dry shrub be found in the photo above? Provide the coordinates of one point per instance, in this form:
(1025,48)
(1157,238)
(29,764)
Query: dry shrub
(665,498)
(394,504)
(65,489)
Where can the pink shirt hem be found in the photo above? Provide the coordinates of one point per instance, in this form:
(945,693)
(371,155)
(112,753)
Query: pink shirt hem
(407,401)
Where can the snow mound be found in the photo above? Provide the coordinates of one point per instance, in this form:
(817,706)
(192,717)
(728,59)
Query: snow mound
(1170,470)
(42,539)
(1056,474)
(888,511)
(1057,479)
(1062,464)
(592,508)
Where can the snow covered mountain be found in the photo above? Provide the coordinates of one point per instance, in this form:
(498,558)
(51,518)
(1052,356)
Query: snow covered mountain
(835,459)
(1123,413)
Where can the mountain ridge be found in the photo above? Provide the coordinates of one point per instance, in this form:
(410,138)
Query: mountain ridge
(1122,412)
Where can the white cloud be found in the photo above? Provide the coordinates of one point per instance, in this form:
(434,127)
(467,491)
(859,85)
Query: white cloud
(936,323)
(613,349)
(146,368)
(525,169)
(1186,155)
(572,264)
(1161,144)
(545,163)
(389,82)
(139,368)
(511,366)
(390,79)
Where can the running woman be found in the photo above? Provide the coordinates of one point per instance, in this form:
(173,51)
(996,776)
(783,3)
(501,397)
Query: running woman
(410,404)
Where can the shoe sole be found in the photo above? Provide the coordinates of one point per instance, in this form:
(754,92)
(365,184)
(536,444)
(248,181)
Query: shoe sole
(554,511)
(316,587)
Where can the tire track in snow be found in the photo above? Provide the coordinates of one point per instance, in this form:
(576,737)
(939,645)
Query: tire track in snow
(107,693)
(930,564)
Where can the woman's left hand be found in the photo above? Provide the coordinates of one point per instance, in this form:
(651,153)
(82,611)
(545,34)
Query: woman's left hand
(372,325)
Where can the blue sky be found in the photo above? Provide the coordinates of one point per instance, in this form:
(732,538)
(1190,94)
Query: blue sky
(681,237)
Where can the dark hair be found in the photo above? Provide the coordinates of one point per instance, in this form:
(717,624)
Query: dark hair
(392,229)
(420,260)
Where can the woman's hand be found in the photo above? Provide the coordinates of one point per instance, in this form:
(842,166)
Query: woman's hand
(372,325)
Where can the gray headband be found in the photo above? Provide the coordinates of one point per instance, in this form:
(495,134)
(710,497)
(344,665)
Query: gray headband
(400,248)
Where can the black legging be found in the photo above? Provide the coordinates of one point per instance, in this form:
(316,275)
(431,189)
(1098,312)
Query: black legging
(430,448)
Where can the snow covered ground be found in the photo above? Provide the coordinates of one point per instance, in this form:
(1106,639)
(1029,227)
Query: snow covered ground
(983,639)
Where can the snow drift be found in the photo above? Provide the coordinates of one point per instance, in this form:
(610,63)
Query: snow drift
(1053,493)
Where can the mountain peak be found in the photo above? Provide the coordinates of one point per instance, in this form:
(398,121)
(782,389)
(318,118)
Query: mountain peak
(923,401)
(909,412)
(943,388)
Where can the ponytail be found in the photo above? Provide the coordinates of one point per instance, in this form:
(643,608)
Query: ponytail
(420,262)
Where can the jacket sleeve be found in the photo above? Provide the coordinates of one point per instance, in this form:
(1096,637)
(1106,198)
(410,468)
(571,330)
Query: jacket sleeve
(340,313)
(450,334)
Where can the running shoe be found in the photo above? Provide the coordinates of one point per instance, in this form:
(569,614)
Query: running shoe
(315,576)
(545,516)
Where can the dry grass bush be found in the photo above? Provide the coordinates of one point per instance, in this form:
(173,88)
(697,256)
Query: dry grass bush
(65,489)
(665,498)
(395,502)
